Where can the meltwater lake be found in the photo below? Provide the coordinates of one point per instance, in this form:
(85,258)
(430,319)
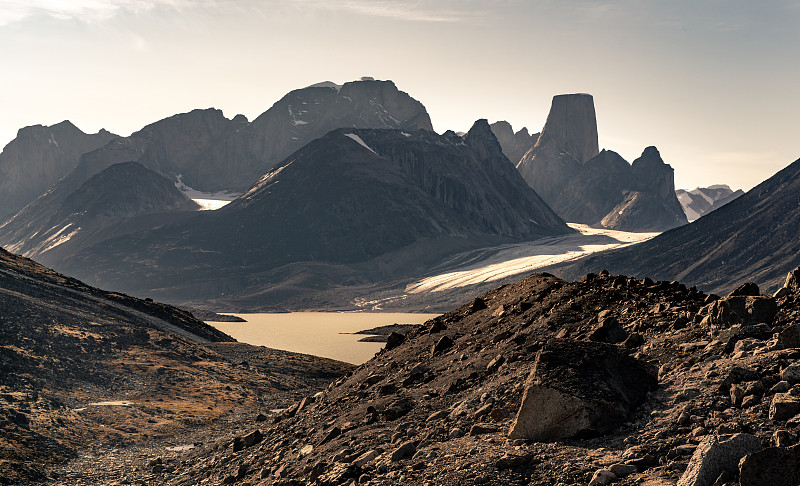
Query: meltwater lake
(327,334)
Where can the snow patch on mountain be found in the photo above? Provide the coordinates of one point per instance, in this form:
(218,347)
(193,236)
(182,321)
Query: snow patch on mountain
(360,141)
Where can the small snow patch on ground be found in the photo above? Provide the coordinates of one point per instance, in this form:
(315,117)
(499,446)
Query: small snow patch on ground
(206,200)
(211,204)
(359,141)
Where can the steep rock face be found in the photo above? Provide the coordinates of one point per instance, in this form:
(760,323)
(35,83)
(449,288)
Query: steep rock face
(514,144)
(39,157)
(348,198)
(755,237)
(86,216)
(572,126)
(169,145)
(600,189)
(703,200)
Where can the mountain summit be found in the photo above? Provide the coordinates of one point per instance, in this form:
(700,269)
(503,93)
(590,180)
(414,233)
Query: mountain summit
(598,188)
(39,157)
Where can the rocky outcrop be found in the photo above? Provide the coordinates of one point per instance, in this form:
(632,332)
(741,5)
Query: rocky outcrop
(703,200)
(514,145)
(773,466)
(600,189)
(351,197)
(756,237)
(116,201)
(716,456)
(38,157)
(572,126)
(579,389)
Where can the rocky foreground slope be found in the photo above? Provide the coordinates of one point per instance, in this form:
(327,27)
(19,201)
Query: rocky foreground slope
(82,368)
(608,379)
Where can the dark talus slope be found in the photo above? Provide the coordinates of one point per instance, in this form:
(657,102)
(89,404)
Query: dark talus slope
(598,188)
(703,200)
(755,237)
(349,199)
(438,405)
(101,208)
(514,145)
(65,346)
(38,157)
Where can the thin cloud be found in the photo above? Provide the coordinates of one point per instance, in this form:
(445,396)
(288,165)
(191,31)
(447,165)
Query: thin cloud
(12,11)
(419,11)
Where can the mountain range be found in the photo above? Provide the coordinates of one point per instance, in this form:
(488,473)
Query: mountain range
(703,200)
(583,185)
(755,237)
(352,207)
(124,198)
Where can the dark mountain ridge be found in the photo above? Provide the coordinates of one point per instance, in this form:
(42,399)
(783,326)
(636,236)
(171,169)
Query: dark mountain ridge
(754,237)
(95,210)
(349,198)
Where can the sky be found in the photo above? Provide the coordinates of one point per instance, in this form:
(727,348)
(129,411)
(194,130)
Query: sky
(711,83)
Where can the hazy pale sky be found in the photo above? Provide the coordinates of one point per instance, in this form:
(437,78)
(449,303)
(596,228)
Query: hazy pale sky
(711,83)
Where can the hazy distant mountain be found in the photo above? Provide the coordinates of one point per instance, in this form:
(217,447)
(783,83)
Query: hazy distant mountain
(756,237)
(584,185)
(213,153)
(514,144)
(94,211)
(703,200)
(330,215)
(39,157)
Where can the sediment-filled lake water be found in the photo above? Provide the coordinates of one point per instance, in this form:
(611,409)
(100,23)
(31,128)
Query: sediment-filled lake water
(326,334)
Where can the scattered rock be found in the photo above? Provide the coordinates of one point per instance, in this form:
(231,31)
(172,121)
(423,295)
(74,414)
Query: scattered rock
(249,440)
(602,477)
(784,406)
(407,449)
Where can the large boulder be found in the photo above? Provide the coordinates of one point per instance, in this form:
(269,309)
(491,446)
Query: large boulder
(717,455)
(739,309)
(774,466)
(580,389)
(791,285)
